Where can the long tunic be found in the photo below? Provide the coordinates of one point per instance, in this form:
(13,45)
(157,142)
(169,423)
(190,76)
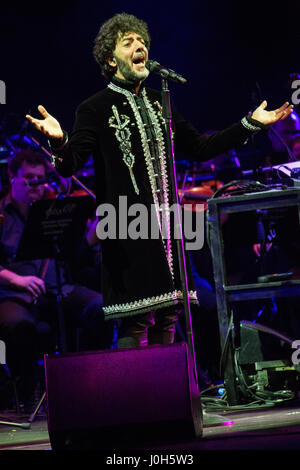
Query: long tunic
(126,134)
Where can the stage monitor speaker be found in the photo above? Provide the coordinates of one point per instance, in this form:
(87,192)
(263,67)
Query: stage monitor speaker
(251,347)
(122,398)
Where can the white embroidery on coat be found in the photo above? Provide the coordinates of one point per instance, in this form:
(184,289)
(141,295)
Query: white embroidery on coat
(150,301)
(151,173)
(123,134)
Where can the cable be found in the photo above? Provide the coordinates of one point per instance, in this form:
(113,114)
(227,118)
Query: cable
(242,187)
(266,329)
(263,395)
(259,399)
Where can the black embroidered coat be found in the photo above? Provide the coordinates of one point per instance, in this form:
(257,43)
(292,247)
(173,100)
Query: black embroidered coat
(126,135)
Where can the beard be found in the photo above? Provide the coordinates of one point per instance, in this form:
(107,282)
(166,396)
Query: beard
(130,74)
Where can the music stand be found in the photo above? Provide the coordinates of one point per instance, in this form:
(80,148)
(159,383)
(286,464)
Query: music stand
(53,230)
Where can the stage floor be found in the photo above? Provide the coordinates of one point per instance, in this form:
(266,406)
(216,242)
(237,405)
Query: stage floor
(276,428)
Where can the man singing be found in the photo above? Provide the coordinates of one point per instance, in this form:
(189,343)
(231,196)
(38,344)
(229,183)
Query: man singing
(123,127)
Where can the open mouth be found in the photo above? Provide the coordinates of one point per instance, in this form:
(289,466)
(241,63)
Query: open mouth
(139,60)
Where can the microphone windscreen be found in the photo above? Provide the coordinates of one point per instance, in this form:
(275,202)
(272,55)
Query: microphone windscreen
(153,65)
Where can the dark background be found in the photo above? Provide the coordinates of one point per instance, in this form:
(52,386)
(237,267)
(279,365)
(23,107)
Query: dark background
(227,50)
(223,48)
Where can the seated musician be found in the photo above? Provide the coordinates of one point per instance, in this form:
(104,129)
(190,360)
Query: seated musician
(28,314)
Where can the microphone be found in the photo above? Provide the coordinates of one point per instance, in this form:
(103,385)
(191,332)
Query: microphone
(155,67)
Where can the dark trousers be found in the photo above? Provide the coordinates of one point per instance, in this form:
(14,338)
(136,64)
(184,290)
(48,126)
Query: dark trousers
(18,330)
(29,331)
(153,327)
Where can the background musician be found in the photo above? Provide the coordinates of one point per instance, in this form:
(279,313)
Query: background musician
(28,317)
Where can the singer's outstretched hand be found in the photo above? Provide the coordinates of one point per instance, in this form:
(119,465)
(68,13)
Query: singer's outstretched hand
(49,125)
(270,117)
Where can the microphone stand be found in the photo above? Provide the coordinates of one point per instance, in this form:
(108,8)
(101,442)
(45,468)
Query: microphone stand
(167,114)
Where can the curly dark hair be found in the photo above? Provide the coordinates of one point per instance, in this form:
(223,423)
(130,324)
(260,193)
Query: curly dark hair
(31,157)
(106,39)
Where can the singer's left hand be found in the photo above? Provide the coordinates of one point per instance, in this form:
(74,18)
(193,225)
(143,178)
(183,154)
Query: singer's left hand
(270,117)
